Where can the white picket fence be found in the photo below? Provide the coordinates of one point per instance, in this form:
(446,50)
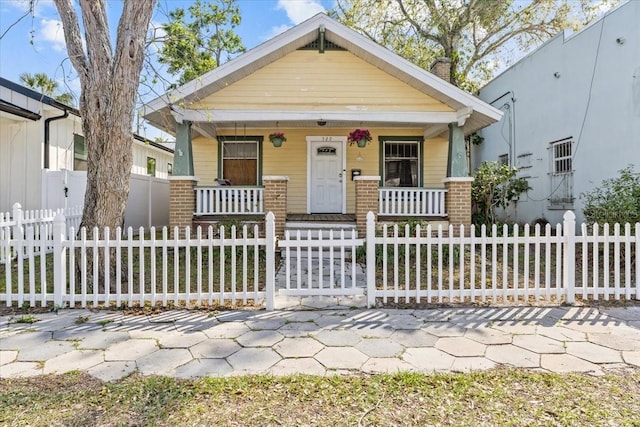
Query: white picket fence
(108,267)
(33,226)
(436,265)
(391,263)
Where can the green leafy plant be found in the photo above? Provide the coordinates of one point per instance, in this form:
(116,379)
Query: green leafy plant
(494,186)
(615,200)
(82,319)
(200,38)
(277,135)
(27,318)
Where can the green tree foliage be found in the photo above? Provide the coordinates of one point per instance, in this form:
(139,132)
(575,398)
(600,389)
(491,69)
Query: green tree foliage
(47,86)
(615,200)
(476,35)
(200,42)
(494,186)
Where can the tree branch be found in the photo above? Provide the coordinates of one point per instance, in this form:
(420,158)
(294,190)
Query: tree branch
(73,39)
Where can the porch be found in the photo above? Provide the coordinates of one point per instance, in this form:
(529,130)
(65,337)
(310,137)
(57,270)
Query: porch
(249,204)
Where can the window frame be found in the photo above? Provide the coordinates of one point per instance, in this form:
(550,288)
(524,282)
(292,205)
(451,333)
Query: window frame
(564,174)
(245,139)
(555,160)
(402,140)
(79,139)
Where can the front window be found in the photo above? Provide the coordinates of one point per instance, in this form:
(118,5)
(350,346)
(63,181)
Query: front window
(240,162)
(401,163)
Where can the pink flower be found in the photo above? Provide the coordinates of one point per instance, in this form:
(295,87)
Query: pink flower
(359,135)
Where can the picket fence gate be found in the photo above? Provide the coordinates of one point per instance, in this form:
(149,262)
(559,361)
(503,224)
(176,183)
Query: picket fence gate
(238,265)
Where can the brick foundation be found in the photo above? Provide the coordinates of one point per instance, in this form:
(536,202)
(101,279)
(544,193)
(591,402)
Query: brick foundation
(366,200)
(275,200)
(182,201)
(458,200)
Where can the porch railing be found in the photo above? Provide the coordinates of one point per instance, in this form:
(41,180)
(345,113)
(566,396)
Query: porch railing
(227,200)
(412,202)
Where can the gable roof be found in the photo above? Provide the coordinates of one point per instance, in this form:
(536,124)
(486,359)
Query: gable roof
(482,114)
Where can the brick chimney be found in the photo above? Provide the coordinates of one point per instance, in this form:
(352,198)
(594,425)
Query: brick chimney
(441,67)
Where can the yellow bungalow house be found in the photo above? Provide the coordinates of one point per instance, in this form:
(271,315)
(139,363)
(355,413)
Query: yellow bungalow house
(317,83)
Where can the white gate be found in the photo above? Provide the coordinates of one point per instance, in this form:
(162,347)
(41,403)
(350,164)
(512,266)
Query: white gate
(317,263)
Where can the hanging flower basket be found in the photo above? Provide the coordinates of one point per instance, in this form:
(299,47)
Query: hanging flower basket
(277,138)
(360,137)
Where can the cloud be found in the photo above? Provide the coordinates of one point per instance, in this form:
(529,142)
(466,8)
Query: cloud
(300,10)
(51,31)
(275,31)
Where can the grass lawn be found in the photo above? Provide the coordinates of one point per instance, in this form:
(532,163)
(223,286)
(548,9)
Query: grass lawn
(498,397)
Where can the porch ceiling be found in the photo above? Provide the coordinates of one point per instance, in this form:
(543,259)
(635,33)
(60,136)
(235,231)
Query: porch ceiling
(209,122)
(210,130)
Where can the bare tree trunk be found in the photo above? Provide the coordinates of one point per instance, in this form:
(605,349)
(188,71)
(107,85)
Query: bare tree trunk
(109,81)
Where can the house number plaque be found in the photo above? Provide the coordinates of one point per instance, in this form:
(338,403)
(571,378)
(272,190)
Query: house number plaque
(326,151)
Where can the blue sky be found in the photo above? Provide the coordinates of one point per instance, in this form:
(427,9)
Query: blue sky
(36,44)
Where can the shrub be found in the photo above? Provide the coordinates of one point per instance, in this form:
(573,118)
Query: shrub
(615,200)
(494,186)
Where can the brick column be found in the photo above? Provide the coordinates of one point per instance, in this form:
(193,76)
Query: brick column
(275,200)
(182,201)
(366,200)
(458,200)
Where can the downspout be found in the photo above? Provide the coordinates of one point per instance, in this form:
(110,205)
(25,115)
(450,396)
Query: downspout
(46,135)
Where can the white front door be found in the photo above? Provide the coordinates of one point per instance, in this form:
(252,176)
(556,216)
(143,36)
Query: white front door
(326,188)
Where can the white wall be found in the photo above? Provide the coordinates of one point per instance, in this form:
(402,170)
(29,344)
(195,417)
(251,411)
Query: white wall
(140,153)
(147,205)
(20,157)
(602,116)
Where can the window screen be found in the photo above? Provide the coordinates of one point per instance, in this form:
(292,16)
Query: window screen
(240,162)
(401,164)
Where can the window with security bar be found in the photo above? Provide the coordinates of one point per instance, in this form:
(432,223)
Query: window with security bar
(561,174)
(401,164)
(562,157)
(240,162)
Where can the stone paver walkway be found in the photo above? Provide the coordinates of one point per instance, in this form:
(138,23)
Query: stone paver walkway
(183,343)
